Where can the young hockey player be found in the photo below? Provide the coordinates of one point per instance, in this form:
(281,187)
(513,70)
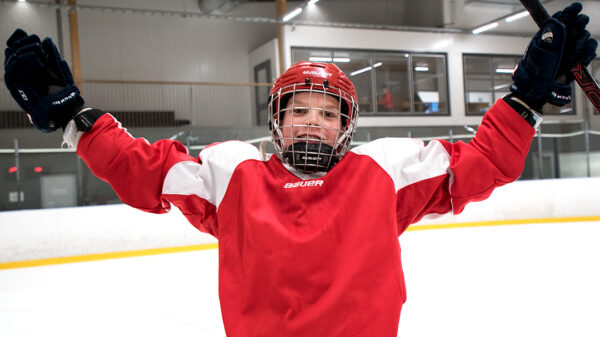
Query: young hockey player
(308,238)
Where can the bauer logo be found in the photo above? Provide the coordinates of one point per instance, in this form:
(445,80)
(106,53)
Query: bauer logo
(316,73)
(561,97)
(304,183)
(64,99)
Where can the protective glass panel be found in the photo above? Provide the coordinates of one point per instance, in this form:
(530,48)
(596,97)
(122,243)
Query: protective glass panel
(478,86)
(430,84)
(502,70)
(357,66)
(392,82)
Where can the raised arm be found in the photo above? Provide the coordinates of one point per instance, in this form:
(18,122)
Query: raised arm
(497,153)
(41,83)
(134,168)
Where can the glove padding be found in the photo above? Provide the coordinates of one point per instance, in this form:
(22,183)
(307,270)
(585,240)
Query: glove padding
(535,76)
(40,81)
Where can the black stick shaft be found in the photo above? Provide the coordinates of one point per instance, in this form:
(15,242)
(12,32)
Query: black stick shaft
(536,10)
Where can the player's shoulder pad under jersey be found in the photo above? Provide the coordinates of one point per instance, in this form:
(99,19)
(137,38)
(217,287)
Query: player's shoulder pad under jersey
(407,160)
(209,178)
(233,151)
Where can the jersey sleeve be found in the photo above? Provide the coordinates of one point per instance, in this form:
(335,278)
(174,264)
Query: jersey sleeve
(151,177)
(494,157)
(441,177)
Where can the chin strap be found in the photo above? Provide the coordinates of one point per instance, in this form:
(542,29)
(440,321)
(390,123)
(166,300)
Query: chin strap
(311,157)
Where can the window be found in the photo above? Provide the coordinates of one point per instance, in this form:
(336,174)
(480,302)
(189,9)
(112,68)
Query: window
(488,78)
(393,88)
(430,94)
(390,83)
(357,66)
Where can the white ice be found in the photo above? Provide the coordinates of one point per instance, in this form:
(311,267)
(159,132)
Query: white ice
(518,280)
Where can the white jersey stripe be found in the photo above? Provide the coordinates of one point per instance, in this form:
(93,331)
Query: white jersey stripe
(406,160)
(210,179)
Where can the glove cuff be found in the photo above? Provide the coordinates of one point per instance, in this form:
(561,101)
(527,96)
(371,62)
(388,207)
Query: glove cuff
(531,116)
(85,119)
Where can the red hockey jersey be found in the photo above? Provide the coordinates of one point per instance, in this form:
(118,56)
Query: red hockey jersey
(310,255)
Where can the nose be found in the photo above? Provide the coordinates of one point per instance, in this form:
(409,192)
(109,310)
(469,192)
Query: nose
(315,117)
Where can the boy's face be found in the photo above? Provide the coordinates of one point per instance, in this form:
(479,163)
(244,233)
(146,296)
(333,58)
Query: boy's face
(315,118)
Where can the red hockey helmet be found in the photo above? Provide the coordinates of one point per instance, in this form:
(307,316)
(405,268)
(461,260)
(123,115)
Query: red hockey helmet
(312,77)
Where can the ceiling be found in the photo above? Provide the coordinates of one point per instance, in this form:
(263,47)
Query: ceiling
(454,16)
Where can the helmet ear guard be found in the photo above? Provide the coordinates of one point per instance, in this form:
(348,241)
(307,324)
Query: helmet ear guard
(313,78)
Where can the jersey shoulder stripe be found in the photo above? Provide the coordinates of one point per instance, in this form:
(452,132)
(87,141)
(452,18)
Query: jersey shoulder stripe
(209,177)
(407,160)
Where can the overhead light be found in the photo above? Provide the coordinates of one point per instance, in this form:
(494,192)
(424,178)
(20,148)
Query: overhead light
(329,59)
(421,68)
(292,15)
(360,71)
(484,28)
(505,70)
(341,59)
(312,2)
(517,16)
(319,59)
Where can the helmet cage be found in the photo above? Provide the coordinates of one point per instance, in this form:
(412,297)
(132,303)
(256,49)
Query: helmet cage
(316,157)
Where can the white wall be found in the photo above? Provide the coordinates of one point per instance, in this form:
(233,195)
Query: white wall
(143,47)
(268,51)
(59,232)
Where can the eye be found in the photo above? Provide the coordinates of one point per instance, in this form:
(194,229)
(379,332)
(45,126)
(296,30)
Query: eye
(300,111)
(330,114)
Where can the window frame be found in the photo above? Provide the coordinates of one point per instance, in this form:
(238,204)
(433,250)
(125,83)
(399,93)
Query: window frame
(573,111)
(410,75)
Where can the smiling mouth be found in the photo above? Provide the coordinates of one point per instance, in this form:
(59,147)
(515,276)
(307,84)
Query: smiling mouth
(309,138)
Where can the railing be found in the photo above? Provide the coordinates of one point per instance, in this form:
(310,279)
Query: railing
(56,177)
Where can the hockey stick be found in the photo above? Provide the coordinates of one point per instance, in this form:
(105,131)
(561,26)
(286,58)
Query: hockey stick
(582,76)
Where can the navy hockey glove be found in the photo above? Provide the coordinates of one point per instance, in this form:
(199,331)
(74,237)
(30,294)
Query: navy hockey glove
(535,76)
(579,47)
(40,81)
(532,77)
